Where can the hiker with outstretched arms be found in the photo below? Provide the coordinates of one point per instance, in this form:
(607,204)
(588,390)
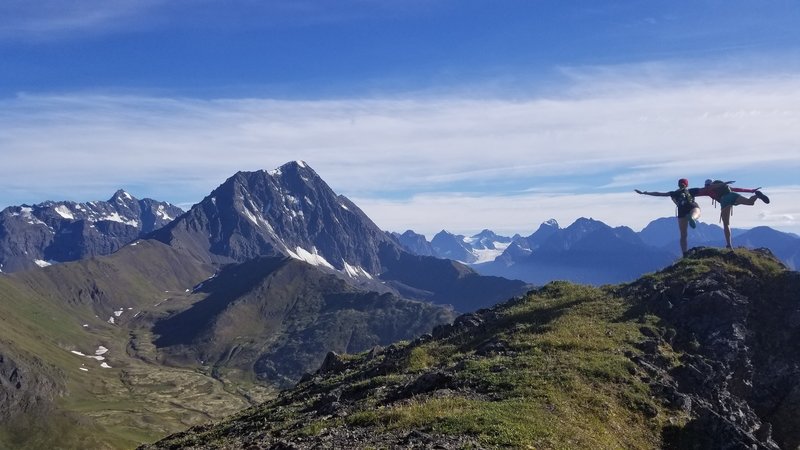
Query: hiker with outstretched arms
(728,197)
(688,209)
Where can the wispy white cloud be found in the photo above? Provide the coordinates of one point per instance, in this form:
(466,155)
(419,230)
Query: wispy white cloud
(596,144)
(48,20)
(54,19)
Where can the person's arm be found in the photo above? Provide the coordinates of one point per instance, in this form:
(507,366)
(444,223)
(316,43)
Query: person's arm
(737,189)
(699,192)
(654,194)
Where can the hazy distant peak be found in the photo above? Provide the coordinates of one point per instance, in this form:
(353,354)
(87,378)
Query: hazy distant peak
(551,223)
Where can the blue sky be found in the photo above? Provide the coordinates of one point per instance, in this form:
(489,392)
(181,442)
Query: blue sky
(432,114)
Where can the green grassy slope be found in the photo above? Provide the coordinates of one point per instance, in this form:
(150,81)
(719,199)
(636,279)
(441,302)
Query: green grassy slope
(47,314)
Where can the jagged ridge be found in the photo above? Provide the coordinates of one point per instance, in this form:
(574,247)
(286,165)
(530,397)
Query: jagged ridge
(48,232)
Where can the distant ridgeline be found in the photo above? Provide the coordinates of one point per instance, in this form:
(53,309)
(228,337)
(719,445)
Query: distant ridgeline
(51,232)
(589,251)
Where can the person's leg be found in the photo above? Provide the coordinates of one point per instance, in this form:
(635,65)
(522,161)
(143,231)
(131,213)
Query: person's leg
(740,200)
(726,224)
(692,217)
(682,223)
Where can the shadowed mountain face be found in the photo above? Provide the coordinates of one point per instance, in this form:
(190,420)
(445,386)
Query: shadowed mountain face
(38,235)
(451,246)
(704,354)
(415,243)
(444,281)
(278,317)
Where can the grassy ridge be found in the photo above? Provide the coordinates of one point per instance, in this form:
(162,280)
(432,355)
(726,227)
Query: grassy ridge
(550,370)
(565,379)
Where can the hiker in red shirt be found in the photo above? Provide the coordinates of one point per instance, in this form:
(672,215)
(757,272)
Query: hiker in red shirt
(688,209)
(728,197)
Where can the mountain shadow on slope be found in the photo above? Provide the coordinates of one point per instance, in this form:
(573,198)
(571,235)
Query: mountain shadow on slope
(444,281)
(277,317)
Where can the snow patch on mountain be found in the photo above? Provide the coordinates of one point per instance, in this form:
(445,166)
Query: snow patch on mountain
(251,216)
(27,214)
(115,217)
(161,212)
(488,255)
(64,212)
(355,271)
(311,257)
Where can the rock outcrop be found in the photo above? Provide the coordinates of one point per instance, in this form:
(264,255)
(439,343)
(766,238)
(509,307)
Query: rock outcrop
(736,329)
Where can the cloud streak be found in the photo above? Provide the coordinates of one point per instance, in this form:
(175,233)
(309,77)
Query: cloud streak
(50,20)
(594,144)
(54,19)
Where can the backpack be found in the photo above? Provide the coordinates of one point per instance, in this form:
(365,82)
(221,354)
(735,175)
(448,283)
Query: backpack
(721,187)
(682,197)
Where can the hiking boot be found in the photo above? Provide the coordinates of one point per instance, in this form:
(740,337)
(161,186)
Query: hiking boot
(763,197)
(692,222)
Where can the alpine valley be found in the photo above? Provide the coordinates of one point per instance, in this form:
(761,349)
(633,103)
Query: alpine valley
(275,314)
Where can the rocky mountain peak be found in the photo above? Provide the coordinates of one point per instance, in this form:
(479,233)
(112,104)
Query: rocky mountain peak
(551,223)
(122,196)
(289,211)
(452,246)
(486,234)
(414,242)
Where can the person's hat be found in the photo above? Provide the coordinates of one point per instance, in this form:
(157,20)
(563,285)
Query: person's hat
(708,181)
(683,182)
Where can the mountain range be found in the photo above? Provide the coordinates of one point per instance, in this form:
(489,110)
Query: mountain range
(49,232)
(159,320)
(588,251)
